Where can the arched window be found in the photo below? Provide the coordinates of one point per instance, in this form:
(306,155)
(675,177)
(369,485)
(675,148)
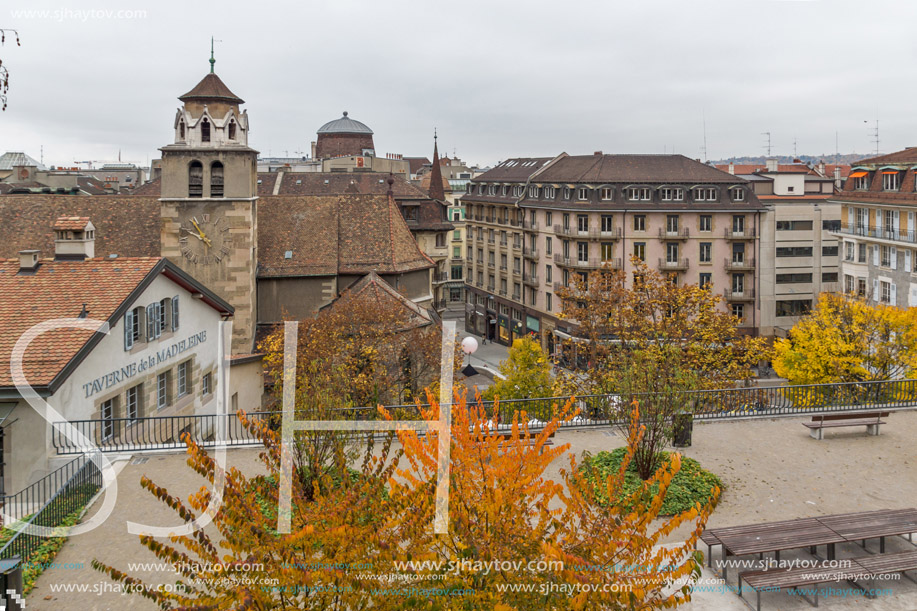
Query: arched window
(232,129)
(196,179)
(216,179)
(181,130)
(205,130)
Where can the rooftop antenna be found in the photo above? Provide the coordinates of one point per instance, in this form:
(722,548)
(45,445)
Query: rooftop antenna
(705,135)
(41,155)
(875,133)
(837,149)
(795,154)
(768,145)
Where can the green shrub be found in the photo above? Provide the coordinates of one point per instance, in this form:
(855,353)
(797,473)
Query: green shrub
(691,484)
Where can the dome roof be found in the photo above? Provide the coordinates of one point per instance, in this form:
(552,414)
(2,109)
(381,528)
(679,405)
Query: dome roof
(344,125)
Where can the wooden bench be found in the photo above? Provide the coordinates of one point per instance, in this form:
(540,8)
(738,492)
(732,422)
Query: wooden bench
(800,577)
(882,564)
(871,420)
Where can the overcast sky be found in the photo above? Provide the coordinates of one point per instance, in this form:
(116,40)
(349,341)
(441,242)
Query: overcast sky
(497,78)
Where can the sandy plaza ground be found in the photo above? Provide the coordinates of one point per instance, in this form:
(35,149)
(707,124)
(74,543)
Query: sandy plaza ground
(771,468)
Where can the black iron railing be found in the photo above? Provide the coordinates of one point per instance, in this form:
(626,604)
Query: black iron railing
(593,410)
(85,479)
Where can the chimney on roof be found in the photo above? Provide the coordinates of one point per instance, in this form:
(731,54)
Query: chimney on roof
(313,149)
(821,167)
(598,153)
(837,176)
(74,238)
(771,164)
(28,260)
(732,168)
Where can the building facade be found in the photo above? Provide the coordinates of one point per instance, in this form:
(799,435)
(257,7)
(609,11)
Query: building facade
(535,222)
(878,232)
(799,248)
(159,358)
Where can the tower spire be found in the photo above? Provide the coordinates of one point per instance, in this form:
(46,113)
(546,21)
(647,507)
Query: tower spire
(436,189)
(212,60)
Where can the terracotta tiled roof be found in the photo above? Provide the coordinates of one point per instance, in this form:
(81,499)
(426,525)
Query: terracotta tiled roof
(71,223)
(829,170)
(742,168)
(374,292)
(152,188)
(211,88)
(908,155)
(91,186)
(416,163)
(127,226)
(334,234)
(58,289)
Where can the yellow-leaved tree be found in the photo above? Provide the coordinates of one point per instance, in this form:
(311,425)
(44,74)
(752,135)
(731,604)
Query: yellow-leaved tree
(848,339)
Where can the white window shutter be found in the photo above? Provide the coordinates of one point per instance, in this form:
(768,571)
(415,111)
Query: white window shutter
(128,330)
(910,226)
(907,260)
(878,222)
(894,258)
(875,256)
(897,220)
(850,222)
(875,290)
(913,301)
(894,294)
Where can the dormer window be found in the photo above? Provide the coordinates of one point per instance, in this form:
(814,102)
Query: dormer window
(205,130)
(738,194)
(672,194)
(533,192)
(606,194)
(568,192)
(639,194)
(504,190)
(582,194)
(232,129)
(181,130)
(890,180)
(704,194)
(550,192)
(491,189)
(469,188)
(860,180)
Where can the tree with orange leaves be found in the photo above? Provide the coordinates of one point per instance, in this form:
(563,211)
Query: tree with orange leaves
(509,526)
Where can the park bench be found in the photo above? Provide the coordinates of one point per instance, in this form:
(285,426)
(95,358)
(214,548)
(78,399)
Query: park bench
(871,420)
(785,579)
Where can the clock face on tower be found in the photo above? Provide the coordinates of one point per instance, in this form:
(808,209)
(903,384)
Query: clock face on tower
(205,239)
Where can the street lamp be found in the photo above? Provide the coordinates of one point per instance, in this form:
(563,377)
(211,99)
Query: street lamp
(469,346)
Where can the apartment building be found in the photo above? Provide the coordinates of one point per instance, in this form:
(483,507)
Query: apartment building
(878,230)
(535,222)
(798,242)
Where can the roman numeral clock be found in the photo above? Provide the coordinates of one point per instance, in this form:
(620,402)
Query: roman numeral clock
(205,239)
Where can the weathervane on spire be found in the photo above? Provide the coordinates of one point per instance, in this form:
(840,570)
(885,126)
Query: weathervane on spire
(212,60)
(434,133)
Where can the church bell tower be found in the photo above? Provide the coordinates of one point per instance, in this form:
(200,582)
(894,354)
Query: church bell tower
(209,200)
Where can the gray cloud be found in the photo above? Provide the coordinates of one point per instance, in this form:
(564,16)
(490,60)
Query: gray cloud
(496,78)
